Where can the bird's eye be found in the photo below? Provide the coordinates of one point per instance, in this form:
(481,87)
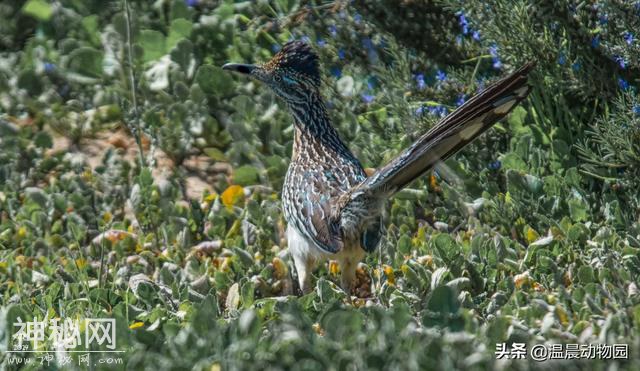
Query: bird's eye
(278,78)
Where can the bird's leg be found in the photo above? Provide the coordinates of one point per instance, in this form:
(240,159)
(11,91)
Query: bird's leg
(304,267)
(300,251)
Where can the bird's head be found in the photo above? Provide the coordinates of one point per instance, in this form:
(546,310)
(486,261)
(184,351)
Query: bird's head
(292,73)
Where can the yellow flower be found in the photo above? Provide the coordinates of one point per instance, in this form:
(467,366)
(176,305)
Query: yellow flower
(136,325)
(106,217)
(22,232)
(81,263)
(433,182)
(522,279)
(562,315)
(232,195)
(316,327)
(334,269)
(391,277)
(532,235)
(279,268)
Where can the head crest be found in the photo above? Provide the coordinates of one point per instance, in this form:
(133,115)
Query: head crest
(297,57)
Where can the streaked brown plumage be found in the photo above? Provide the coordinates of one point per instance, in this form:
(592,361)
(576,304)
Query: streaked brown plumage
(332,209)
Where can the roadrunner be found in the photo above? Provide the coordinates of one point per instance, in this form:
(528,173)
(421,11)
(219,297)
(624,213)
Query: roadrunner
(333,210)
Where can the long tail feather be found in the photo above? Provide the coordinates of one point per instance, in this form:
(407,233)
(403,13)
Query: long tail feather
(451,134)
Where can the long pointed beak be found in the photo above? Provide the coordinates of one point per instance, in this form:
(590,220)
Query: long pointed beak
(238,67)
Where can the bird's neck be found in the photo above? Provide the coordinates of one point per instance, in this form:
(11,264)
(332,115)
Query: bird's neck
(313,125)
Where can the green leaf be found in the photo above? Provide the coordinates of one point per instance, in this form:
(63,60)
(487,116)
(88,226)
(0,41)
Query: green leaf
(29,81)
(215,154)
(497,329)
(404,244)
(578,233)
(443,308)
(39,9)
(86,61)
(560,148)
(516,121)
(246,175)
(514,162)
(90,24)
(534,184)
(578,209)
(37,195)
(586,275)
(153,43)
(527,184)
(43,140)
(181,54)
(214,81)
(179,29)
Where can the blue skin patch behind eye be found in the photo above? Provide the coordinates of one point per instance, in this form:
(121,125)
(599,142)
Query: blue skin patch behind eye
(289,80)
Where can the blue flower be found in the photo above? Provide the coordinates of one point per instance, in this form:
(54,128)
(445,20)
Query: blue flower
(562,59)
(459,40)
(372,54)
(49,67)
(341,53)
(480,85)
(420,81)
(372,82)
(604,19)
(476,35)
(636,110)
(493,51)
(623,84)
(336,72)
(462,21)
(357,18)
(439,110)
(419,111)
(441,75)
(306,39)
(495,165)
(191,3)
(595,42)
(461,99)
(275,48)
(621,62)
(576,66)
(367,43)
(368,98)
(333,30)
(321,42)
(628,37)
(64,90)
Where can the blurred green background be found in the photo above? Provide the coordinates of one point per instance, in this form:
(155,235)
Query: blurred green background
(140,181)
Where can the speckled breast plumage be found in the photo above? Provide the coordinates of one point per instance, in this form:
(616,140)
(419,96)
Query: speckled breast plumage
(318,174)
